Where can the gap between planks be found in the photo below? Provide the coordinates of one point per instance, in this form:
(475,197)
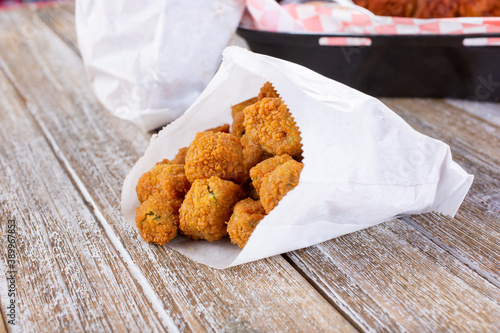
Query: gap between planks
(322,292)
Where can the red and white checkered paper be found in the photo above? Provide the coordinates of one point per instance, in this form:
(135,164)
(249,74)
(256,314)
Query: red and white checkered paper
(333,18)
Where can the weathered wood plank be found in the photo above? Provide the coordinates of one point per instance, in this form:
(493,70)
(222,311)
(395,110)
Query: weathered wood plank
(489,111)
(61,19)
(473,235)
(69,276)
(3,326)
(267,295)
(390,278)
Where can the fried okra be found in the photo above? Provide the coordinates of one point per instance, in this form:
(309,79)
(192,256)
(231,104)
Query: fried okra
(223,128)
(157,220)
(237,128)
(270,124)
(207,207)
(261,170)
(180,158)
(246,215)
(215,154)
(168,179)
(278,183)
(252,153)
(235,109)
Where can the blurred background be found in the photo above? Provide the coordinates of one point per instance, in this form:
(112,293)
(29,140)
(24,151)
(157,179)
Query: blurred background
(8,3)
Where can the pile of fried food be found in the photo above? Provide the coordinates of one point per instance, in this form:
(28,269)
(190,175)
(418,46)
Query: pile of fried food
(227,180)
(432,8)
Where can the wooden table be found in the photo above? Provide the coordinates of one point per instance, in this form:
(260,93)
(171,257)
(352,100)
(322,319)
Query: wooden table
(80,267)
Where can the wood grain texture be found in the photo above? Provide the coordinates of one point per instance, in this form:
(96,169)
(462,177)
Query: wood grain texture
(61,19)
(3,326)
(390,278)
(98,150)
(473,236)
(432,273)
(69,276)
(489,111)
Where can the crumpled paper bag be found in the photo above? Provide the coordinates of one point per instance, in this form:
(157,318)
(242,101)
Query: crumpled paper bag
(149,60)
(363,164)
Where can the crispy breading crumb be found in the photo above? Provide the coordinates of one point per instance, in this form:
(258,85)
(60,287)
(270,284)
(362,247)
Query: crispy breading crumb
(168,179)
(156,220)
(215,154)
(262,169)
(246,215)
(207,207)
(270,124)
(278,183)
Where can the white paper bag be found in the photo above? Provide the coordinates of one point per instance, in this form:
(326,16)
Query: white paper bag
(149,60)
(363,164)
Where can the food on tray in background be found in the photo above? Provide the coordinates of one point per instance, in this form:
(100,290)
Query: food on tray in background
(247,214)
(206,191)
(207,208)
(431,8)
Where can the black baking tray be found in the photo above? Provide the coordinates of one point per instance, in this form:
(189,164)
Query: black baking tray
(435,66)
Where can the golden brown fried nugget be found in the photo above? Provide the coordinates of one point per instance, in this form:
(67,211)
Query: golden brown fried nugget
(278,183)
(252,153)
(267,90)
(222,128)
(261,170)
(168,179)
(207,207)
(235,109)
(270,124)
(215,154)
(156,220)
(238,129)
(246,215)
(180,158)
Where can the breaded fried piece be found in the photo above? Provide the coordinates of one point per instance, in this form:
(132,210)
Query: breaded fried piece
(222,128)
(475,8)
(207,207)
(235,109)
(180,158)
(156,220)
(261,170)
(429,8)
(270,124)
(436,9)
(252,153)
(278,183)
(247,214)
(168,179)
(267,90)
(238,129)
(215,154)
(404,8)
